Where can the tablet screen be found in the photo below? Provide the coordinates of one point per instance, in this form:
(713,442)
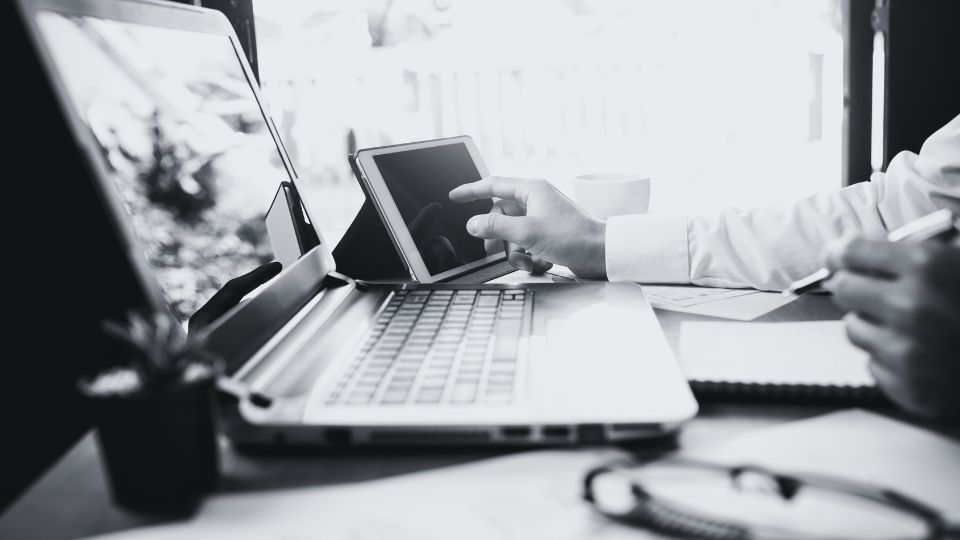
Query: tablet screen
(420,181)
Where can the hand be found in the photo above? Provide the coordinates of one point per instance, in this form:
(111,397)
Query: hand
(231,294)
(539,225)
(904,302)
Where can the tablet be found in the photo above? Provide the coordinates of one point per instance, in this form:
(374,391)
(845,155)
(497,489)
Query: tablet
(410,185)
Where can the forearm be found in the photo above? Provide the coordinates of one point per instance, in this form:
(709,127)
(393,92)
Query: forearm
(769,246)
(765,247)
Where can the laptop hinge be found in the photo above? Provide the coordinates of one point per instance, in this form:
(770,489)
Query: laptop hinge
(335,279)
(280,349)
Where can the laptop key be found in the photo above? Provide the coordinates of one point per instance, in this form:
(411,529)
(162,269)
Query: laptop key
(429,396)
(393,398)
(463,393)
(502,371)
(430,383)
(505,345)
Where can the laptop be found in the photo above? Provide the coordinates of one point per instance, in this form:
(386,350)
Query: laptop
(163,104)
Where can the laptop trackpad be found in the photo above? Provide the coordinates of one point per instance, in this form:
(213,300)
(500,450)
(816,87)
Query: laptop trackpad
(603,357)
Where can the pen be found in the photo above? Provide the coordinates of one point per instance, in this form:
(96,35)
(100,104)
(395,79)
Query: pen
(939,224)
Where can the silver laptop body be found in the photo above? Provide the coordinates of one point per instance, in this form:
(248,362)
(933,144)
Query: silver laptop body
(334,361)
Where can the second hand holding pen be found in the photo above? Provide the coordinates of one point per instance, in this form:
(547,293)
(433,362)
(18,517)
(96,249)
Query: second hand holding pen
(939,224)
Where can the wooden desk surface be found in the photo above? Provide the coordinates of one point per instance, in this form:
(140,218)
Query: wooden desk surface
(72,500)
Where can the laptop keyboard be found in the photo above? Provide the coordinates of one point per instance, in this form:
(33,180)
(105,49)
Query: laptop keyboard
(430,347)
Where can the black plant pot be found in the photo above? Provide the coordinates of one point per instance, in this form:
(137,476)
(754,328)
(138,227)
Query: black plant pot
(160,449)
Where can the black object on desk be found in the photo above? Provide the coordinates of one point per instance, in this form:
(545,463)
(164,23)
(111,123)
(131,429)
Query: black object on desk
(67,269)
(788,394)
(366,251)
(160,450)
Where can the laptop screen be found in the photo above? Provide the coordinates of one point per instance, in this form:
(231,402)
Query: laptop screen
(184,140)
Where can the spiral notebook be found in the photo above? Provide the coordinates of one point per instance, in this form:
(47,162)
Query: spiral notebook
(785,361)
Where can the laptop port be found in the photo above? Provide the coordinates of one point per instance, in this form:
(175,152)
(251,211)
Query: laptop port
(591,433)
(338,436)
(556,432)
(515,431)
(618,428)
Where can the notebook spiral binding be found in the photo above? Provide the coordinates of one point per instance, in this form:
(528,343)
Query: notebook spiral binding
(788,394)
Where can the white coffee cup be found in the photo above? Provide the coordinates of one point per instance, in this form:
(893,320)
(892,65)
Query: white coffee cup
(612,194)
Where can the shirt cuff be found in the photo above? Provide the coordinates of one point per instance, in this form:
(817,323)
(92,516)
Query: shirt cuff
(647,248)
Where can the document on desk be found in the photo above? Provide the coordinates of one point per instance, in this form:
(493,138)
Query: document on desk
(538,494)
(737,304)
(521,277)
(815,353)
(529,495)
(556,274)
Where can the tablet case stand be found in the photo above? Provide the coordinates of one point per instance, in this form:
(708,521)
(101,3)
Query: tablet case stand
(366,251)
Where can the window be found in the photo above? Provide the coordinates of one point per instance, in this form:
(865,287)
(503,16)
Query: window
(722,103)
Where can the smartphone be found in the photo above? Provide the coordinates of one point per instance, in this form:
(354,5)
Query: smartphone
(290,231)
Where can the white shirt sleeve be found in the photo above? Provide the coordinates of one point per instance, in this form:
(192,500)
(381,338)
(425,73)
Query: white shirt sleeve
(769,246)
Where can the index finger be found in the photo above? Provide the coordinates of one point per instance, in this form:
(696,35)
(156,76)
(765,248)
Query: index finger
(515,189)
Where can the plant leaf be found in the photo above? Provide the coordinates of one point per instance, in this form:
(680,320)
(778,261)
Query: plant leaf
(120,333)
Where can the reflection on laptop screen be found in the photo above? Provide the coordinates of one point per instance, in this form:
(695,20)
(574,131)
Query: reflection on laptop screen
(184,140)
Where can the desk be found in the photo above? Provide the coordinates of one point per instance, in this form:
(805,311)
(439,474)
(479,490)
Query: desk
(72,499)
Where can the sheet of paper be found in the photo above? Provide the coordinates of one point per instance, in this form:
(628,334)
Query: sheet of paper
(537,494)
(565,272)
(530,495)
(816,352)
(741,305)
(736,304)
(680,296)
(520,276)
(556,274)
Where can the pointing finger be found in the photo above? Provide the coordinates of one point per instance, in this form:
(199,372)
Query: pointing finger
(515,189)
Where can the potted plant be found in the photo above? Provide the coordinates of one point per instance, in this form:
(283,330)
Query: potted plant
(155,416)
